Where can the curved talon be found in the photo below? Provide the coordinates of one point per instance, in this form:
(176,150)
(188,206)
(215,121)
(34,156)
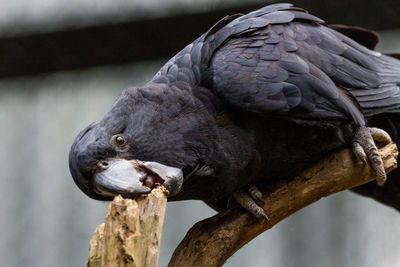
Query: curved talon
(380,135)
(359,152)
(364,147)
(255,193)
(249,204)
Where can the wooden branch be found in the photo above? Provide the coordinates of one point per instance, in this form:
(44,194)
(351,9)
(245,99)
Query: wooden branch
(212,241)
(131,234)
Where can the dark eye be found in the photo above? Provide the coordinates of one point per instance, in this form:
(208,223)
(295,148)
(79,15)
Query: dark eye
(119,140)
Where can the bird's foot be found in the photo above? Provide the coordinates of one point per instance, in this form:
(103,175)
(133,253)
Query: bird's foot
(365,149)
(248,199)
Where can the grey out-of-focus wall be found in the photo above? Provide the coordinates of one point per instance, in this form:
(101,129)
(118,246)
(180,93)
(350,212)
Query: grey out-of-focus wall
(46,221)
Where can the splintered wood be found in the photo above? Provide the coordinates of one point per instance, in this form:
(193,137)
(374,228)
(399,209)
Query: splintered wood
(131,234)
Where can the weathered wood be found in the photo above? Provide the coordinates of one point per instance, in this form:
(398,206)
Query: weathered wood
(212,241)
(131,234)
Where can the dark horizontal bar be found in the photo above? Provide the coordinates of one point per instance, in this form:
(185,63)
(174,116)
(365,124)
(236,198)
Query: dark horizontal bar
(160,37)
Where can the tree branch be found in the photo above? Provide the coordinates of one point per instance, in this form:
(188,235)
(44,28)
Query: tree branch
(131,235)
(212,241)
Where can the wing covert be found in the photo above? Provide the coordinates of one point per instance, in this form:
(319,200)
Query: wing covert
(281,60)
(304,69)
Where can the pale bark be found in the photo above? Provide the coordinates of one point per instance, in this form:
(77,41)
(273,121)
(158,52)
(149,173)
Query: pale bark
(131,234)
(212,241)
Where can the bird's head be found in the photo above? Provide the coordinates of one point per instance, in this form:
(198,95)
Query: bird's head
(151,135)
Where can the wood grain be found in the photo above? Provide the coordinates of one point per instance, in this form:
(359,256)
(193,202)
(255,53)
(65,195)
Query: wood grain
(212,241)
(131,234)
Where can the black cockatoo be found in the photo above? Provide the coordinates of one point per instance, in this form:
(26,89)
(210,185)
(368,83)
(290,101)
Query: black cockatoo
(258,97)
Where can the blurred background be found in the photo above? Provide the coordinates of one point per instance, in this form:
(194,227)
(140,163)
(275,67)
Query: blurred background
(63,63)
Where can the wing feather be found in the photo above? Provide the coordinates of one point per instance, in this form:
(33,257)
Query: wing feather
(281,60)
(323,65)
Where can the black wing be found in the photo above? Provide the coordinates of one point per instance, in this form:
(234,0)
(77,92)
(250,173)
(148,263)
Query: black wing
(282,60)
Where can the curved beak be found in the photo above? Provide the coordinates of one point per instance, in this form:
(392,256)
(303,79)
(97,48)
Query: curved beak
(132,177)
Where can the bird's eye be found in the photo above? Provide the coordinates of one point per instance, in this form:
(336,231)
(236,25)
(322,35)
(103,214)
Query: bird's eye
(119,140)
